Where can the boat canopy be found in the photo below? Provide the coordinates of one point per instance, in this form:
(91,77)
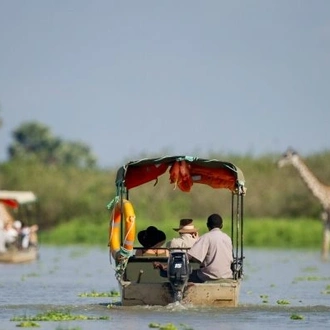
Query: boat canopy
(184,171)
(16,198)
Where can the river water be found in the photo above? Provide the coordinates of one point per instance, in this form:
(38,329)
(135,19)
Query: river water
(277,285)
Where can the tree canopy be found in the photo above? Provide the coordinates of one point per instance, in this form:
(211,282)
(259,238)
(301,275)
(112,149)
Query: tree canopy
(35,141)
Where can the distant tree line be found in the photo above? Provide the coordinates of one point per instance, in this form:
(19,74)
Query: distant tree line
(35,141)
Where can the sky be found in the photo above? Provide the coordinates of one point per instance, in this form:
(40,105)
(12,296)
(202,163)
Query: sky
(133,78)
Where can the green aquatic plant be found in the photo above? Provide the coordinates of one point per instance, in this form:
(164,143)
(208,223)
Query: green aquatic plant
(185,327)
(311,278)
(28,324)
(112,294)
(167,326)
(309,269)
(327,290)
(296,317)
(282,302)
(57,316)
(23,278)
(73,328)
(76,253)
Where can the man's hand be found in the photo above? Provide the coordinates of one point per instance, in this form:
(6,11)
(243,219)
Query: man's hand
(158,265)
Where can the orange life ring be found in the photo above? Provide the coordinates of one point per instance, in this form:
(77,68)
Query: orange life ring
(115,228)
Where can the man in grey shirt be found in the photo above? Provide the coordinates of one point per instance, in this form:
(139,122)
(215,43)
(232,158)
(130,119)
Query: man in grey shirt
(214,251)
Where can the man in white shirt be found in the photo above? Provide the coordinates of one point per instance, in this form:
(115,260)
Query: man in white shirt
(213,251)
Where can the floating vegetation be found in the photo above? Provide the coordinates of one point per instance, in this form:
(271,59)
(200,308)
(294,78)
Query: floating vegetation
(29,275)
(296,317)
(57,316)
(282,302)
(327,290)
(311,278)
(77,253)
(28,324)
(95,294)
(309,269)
(169,326)
(74,328)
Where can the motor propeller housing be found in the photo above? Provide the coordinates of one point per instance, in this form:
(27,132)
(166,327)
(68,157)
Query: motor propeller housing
(178,271)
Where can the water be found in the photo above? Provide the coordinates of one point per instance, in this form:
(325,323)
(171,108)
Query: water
(56,280)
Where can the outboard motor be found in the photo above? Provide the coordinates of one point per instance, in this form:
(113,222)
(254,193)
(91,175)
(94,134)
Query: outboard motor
(178,271)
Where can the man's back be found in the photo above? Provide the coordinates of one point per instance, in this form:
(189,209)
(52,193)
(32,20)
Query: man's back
(184,241)
(214,251)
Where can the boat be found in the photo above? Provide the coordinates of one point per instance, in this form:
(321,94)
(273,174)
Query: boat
(19,205)
(139,282)
(15,256)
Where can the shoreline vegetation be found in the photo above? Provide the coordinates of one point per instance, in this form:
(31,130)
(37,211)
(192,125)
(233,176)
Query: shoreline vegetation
(300,233)
(279,209)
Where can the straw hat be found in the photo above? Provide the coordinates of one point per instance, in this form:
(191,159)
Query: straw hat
(186,226)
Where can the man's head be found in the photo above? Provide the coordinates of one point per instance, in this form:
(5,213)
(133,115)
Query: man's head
(214,221)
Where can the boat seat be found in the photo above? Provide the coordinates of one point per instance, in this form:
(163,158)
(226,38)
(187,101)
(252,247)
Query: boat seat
(140,269)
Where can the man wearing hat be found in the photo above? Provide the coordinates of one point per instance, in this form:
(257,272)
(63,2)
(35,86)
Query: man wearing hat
(151,239)
(188,235)
(213,251)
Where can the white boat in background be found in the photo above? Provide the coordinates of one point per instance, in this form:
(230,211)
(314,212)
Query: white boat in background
(19,205)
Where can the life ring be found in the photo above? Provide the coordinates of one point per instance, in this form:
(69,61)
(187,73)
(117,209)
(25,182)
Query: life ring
(115,229)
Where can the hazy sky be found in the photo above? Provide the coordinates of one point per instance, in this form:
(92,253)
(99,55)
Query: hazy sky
(180,77)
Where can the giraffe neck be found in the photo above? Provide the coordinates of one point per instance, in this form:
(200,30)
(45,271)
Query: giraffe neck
(319,190)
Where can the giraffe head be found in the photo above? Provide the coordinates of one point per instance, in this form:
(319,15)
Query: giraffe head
(288,158)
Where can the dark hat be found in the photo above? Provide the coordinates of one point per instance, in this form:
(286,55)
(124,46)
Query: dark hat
(151,237)
(186,226)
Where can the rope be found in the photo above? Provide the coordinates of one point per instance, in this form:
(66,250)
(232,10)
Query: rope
(122,262)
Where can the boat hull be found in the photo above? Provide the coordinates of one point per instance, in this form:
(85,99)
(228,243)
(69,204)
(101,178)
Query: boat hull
(222,293)
(16,256)
(143,285)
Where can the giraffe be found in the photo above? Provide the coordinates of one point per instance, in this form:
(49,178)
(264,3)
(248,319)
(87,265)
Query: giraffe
(318,189)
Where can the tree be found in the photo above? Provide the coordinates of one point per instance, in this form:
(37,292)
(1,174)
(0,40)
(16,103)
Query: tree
(35,141)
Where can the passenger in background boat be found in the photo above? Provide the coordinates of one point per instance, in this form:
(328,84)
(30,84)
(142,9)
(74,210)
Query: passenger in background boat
(28,235)
(151,239)
(213,251)
(2,239)
(10,234)
(188,235)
